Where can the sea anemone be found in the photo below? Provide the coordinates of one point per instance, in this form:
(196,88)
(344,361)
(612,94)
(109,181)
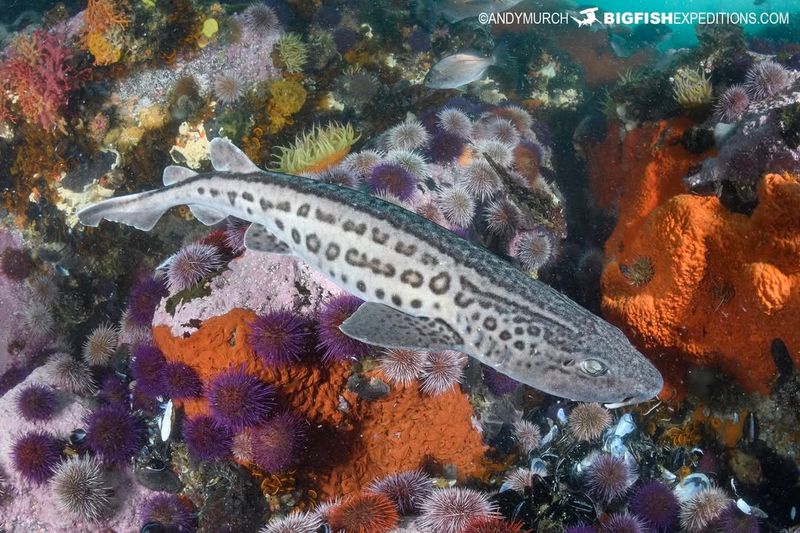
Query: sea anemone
(609,477)
(656,505)
(235,229)
(732,104)
(502,130)
(457,205)
(691,88)
(406,489)
(393,179)
(314,151)
(274,445)
(419,40)
(101,344)
(407,135)
(402,366)
(295,522)
(191,264)
(345,38)
(36,402)
(413,162)
(35,456)
(623,523)
(445,147)
(442,371)
(488,524)
(239,400)
(362,163)
(66,372)
(206,438)
(182,381)
(336,345)
(450,510)
(479,179)
(114,434)
(532,248)
(147,368)
(502,217)
(170,511)
(364,513)
(497,382)
(278,337)
(228,88)
(587,421)
(143,300)
(80,488)
(355,89)
(528,435)
(292,52)
(454,121)
(702,509)
(498,151)
(766,79)
(261,19)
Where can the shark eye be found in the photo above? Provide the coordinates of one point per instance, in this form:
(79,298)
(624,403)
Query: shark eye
(593,367)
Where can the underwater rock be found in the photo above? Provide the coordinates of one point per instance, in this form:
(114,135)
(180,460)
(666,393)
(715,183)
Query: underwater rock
(367,388)
(232,504)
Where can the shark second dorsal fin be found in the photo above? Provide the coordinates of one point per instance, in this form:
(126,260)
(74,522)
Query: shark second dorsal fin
(384,326)
(226,157)
(258,238)
(176,174)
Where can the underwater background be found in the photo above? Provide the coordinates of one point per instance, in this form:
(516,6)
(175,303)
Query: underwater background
(175,380)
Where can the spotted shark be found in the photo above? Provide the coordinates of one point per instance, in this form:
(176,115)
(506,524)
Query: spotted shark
(423,287)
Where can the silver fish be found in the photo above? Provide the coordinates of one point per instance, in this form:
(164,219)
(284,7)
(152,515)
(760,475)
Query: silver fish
(455,10)
(424,287)
(458,69)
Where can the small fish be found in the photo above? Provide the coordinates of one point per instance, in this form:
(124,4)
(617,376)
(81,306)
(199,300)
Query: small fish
(459,69)
(424,287)
(455,10)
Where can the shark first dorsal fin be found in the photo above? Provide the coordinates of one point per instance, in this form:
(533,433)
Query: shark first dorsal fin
(176,174)
(384,326)
(226,157)
(258,238)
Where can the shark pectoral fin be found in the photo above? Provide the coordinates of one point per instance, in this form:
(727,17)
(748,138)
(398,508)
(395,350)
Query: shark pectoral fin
(226,157)
(258,238)
(384,326)
(176,174)
(206,215)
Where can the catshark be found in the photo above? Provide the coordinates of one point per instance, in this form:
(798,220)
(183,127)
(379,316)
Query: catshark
(423,287)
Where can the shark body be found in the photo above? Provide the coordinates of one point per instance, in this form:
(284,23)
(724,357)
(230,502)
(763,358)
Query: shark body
(424,287)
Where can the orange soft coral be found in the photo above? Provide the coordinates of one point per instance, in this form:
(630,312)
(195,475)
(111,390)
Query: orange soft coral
(351,441)
(720,285)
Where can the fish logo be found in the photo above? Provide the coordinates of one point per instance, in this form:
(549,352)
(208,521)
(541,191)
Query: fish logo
(589,17)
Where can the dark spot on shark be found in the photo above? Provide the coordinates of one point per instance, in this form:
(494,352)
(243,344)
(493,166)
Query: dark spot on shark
(360,285)
(462,301)
(247,197)
(518,330)
(416,304)
(232,197)
(312,243)
(358,229)
(412,278)
(279,224)
(490,323)
(380,294)
(249,210)
(266,205)
(389,271)
(405,249)
(284,206)
(428,260)
(440,283)
(303,210)
(332,251)
(519,345)
(396,300)
(379,237)
(505,335)
(201,191)
(475,316)
(295,236)
(324,217)
(214,192)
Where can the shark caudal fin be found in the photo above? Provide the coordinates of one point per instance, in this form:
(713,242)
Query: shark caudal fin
(141,210)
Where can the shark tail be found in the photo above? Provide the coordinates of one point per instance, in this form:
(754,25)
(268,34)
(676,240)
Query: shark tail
(141,210)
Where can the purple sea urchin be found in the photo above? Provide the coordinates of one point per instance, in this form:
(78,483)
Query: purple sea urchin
(454,121)
(261,19)
(274,445)
(407,135)
(732,104)
(402,366)
(580,528)
(502,217)
(182,381)
(80,488)
(296,522)
(393,179)
(240,400)
(35,456)
(734,521)
(766,79)
(532,248)
(609,477)
(336,345)
(363,513)
(170,511)
(114,434)
(587,421)
(191,264)
(36,402)
(457,206)
(518,480)
(623,523)
(143,300)
(207,439)
(413,162)
(479,179)
(419,40)
(502,130)
(528,435)
(355,89)
(497,382)
(362,163)
(101,344)
(408,490)
(345,38)
(66,372)
(228,88)
(114,391)
(147,368)
(450,510)
(500,152)
(279,337)
(442,371)
(702,509)
(445,147)
(656,505)
(235,228)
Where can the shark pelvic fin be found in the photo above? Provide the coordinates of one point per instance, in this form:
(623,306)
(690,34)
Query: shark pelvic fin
(384,326)
(226,157)
(206,215)
(258,238)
